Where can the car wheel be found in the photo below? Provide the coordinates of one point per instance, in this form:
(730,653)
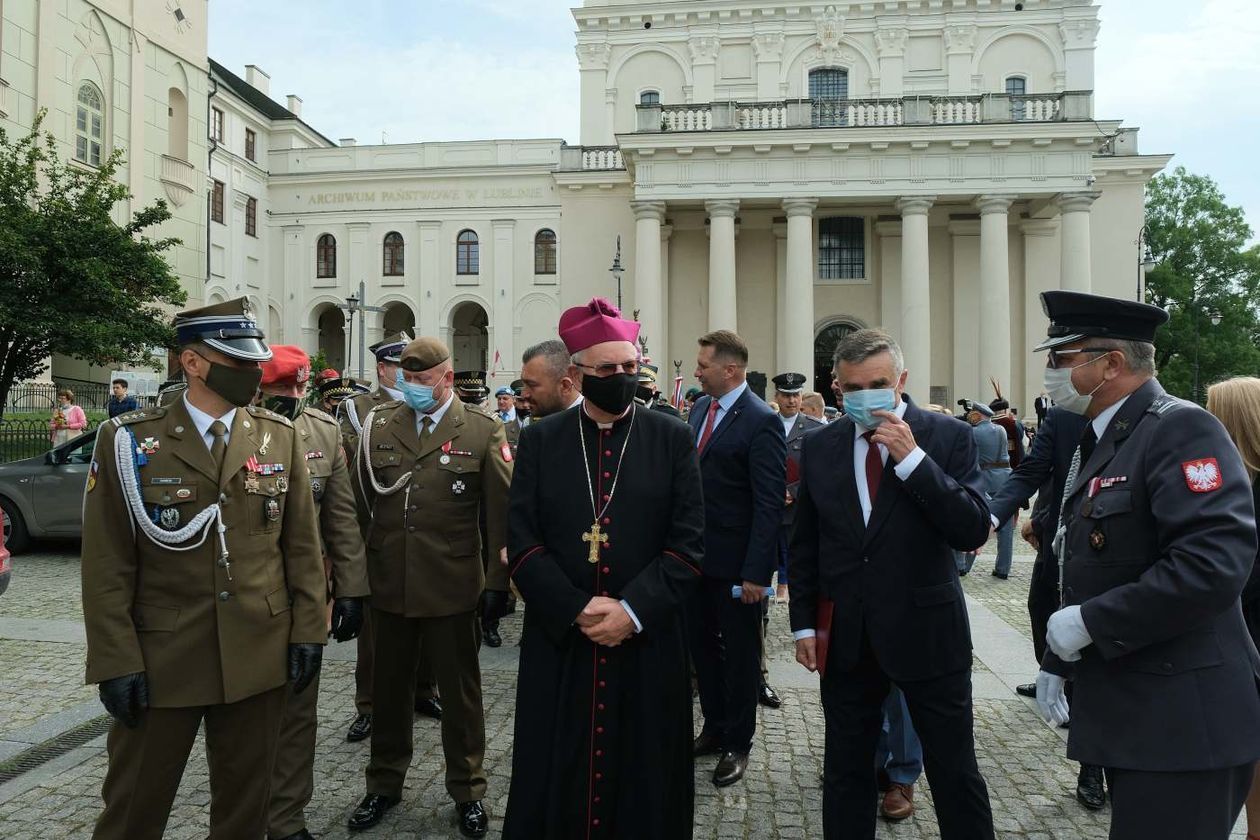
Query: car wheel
(16,538)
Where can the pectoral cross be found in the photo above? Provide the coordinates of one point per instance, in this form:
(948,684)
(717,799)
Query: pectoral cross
(596,539)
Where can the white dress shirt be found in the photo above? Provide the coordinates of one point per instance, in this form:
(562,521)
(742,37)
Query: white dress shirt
(435,415)
(202,421)
(902,471)
(724,406)
(788,423)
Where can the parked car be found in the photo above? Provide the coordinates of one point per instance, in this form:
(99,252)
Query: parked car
(43,496)
(5,568)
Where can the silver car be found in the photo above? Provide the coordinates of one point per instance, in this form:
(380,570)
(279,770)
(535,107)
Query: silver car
(43,496)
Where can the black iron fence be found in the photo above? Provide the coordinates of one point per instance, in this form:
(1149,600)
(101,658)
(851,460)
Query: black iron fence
(27,437)
(42,396)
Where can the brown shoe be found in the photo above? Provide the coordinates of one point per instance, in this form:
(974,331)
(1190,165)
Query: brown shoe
(898,802)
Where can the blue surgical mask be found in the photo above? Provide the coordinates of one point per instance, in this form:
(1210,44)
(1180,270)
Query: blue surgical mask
(860,404)
(419,397)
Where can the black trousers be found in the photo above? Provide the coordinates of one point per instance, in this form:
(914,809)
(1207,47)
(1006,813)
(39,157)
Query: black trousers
(725,640)
(1202,805)
(940,709)
(1043,598)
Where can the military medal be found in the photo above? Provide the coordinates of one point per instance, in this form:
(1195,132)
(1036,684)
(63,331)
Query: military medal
(444,460)
(251,482)
(457,488)
(169,518)
(272,510)
(147,446)
(266,442)
(183,493)
(282,484)
(594,537)
(316,487)
(1097,539)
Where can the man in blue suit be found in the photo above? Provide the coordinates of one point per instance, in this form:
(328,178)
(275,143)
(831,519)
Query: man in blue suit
(887,493)
(742,456)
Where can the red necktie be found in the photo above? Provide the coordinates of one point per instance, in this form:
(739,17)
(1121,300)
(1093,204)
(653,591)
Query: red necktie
(874,467)
(709,423)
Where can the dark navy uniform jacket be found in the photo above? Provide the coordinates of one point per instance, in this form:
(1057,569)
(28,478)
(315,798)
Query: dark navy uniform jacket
(1161,537)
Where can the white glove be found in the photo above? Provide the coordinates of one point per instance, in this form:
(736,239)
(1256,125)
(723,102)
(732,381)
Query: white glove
(1051,700)
(1066,634)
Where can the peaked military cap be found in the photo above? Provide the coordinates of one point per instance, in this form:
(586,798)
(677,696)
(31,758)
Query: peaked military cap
(228,327)
(789,383)
(518,387)
(969,406)
(423,353)
(340,388)
(648,373)
(471,382)
(1077,315)
(390,349)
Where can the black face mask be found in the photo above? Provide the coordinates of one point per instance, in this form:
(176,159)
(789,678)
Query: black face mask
(522,412)
(645,393)
(612,394)
(236,385)
(289,407)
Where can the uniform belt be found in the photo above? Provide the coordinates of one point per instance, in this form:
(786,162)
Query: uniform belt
(996,465)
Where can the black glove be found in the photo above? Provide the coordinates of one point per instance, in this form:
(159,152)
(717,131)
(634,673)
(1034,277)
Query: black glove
(347,618)
(125,698)
(494,605)
(304,661)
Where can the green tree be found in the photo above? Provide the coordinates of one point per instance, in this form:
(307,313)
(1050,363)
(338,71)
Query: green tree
(1204,272)
(72,280)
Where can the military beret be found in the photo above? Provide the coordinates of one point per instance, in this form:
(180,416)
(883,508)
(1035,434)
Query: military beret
(789,383)
(1077,315)
(693,393)
(288,365)
(504,391)
(228,327)
(423,353)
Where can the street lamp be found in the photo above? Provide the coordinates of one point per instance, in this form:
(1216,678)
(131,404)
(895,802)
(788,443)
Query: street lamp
(617,271)
(1215,318)
(355,304)
(352,306)
(1146,260)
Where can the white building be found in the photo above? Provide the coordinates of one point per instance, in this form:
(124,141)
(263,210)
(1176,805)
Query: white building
(117,74)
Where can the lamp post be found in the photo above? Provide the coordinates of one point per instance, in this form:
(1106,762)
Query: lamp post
(617,270)
(355,305)
(1215,318)
(1146,260)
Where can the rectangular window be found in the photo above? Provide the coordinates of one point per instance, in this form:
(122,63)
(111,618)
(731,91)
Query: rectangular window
(216,125)
(1017,89)
(841,248)
(251,141)
(251,217)
(216,202)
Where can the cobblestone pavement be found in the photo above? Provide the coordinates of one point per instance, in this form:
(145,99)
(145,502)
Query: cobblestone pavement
(1030,782)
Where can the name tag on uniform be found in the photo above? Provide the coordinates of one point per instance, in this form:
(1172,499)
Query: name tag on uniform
(166,481)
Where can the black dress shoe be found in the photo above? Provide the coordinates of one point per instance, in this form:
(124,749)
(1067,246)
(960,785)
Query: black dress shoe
(370,811)
(473,819)
(491,636)
(730,768)
(429,707)
(768,698)
(706,743)
(299,835)
(360,729)
(1027,690)
(1089,787)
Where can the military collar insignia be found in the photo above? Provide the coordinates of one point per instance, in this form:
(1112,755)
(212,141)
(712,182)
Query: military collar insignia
(266,442)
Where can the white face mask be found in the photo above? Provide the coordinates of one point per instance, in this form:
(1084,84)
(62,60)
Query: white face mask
(1058,384)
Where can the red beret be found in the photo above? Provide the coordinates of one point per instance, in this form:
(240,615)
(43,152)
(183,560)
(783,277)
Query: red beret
(289,365)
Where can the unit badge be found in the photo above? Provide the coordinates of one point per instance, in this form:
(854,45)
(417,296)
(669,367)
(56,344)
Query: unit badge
(1203,475)
(91,481)
(1097,539)
(282,484)
(169,518)
(271,508)
(457,488)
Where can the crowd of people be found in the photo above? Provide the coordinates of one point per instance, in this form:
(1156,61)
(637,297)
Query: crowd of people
(230,531)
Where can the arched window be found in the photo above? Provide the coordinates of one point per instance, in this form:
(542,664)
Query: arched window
(177,124)
(467,253)
(545,252)
(650,97)
(89,124)
(829,90)
(393,254)
(1017,89)
(326,256)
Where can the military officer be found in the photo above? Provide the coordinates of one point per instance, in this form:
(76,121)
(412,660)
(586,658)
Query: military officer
(649,394)
(470,386)
(203,590)
(1156,537)
(505,397)
(429,464)
(333,389)
(283,388)
(352,412)
(520,403)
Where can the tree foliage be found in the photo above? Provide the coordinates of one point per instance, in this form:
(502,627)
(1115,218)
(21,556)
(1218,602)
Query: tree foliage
(1203,268)
(72,280)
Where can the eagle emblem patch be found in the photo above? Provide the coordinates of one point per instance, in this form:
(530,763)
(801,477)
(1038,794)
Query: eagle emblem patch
(1203,475)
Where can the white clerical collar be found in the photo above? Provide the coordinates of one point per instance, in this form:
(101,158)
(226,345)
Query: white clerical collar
(576,401)
(604,426)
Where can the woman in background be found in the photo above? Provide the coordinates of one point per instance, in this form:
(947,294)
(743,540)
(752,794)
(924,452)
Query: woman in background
(68,419)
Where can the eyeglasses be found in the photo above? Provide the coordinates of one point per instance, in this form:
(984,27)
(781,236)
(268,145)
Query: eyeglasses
(1052,360)
(631,367)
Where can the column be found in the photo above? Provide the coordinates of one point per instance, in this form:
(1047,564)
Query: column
(660,347)
(298,268)
(722,289)
(889,234)
(780,295)
(429,317)
(597,126)
(1074,236)
(649,291)
(796,318)
(965,274)
(1041,274)
(995,290)
(502,333)
(916,311)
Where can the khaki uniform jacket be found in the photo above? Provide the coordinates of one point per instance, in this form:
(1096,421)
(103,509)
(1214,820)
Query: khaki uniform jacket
(424,543)
(334,502)
(201,637)
(360,404)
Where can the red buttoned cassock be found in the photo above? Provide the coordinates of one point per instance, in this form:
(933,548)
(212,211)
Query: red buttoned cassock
(603,735)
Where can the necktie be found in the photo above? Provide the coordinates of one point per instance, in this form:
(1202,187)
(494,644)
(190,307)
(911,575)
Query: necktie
(218,448)
(709,423)
(874,467)
(1083,450)
(426,429)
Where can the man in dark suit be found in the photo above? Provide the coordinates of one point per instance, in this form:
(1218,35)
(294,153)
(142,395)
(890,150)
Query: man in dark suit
(1157,538)
(742,455)
(887,493)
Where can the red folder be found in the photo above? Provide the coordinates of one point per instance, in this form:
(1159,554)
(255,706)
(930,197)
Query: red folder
(822,632)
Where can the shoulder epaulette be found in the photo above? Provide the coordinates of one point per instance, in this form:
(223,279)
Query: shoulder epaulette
(137,416)
(320,414)
(268,414)
(1163,404)
(476,409)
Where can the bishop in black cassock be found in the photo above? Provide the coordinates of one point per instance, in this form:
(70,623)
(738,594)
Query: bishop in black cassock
(603,733)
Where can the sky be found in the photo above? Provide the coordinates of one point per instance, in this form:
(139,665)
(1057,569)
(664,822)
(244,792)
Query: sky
(1187,72)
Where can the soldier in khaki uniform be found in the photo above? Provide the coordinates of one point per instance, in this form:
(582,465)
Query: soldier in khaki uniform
(428,465)
(284,385)
(351,414)
(203,591)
